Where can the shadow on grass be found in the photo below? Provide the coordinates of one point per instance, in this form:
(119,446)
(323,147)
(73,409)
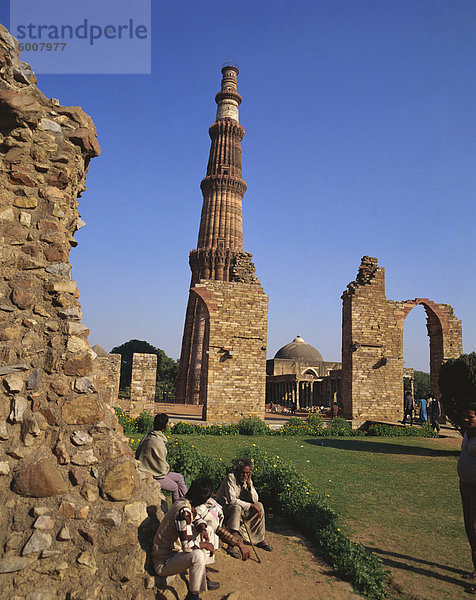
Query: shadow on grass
(364,445)
(402,561)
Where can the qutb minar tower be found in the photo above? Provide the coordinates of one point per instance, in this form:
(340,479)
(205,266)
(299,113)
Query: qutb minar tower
(219,254)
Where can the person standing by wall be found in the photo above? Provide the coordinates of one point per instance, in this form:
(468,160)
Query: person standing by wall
(423,413)
(408,408)
(435,412)
(467,484)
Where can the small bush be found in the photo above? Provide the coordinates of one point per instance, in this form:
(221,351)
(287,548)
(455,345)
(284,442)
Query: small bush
(396,431)
(184,458)
(253,426)
(182,428)
(296,426)
(145,422)
(339,426)
(315,420)
(128,424)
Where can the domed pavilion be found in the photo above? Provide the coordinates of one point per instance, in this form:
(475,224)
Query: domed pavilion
(299,374)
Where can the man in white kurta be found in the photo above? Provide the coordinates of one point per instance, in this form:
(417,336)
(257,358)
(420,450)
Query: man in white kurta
(241,505)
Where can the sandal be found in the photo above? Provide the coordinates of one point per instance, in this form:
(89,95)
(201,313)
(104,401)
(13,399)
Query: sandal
(264,546)
(233,551)
(471,589)
(470,575)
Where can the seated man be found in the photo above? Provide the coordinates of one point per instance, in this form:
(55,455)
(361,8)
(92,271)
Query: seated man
(240,503)
(152,454)
(182,543)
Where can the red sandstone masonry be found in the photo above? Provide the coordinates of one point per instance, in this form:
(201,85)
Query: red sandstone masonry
(219,254)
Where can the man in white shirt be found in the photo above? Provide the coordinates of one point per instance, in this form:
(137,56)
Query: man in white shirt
(239,500)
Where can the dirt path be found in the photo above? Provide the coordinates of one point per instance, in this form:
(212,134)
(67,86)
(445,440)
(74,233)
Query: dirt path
(291,571)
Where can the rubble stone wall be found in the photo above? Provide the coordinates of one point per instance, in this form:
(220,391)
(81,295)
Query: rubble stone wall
(372,345)
(235,349)
(107,374)
(73,505)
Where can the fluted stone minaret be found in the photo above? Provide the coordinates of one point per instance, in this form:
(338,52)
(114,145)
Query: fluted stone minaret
(219,254)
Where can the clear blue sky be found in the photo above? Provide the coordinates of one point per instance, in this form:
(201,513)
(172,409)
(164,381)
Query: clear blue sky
(360,139)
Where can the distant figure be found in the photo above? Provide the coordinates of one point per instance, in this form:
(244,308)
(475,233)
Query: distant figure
(423,414)
(334,410)
(435,412)
(152,455)
(408,408)
(293,407)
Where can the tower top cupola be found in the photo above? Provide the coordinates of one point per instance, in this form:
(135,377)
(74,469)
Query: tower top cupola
(228,98)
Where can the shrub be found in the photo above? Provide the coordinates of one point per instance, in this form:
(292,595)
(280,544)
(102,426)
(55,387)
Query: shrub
(315,420)
(182,428)
(296,426)
(184,458)
(457,383)
(128,424)
(145,422)
(396,431)
(253,426)
(339,426)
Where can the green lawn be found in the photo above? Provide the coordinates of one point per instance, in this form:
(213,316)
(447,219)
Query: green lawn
(399,496)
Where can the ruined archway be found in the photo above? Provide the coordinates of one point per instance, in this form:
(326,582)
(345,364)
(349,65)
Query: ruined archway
(372,345)
(438,320)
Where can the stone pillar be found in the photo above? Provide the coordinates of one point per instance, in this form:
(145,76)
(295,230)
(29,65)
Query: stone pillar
(143,380)
(235,371)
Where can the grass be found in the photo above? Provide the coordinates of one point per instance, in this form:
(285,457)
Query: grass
(398,496)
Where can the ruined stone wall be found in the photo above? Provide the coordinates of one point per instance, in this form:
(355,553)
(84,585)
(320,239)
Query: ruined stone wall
(71,497)
(372,361)
(235,349)
(144,376)
(372,345)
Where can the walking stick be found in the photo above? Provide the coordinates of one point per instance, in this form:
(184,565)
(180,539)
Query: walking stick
(249,538)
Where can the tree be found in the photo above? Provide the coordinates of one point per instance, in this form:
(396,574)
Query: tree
(457,383)
(422,384)
(167,367)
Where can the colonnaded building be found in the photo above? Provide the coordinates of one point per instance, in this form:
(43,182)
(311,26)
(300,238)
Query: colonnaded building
(298,374)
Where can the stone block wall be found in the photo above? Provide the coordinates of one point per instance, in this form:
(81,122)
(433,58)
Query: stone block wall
(372,360)
(73,505)
(143,379)
(235,349)
(372,345)
(107,373)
